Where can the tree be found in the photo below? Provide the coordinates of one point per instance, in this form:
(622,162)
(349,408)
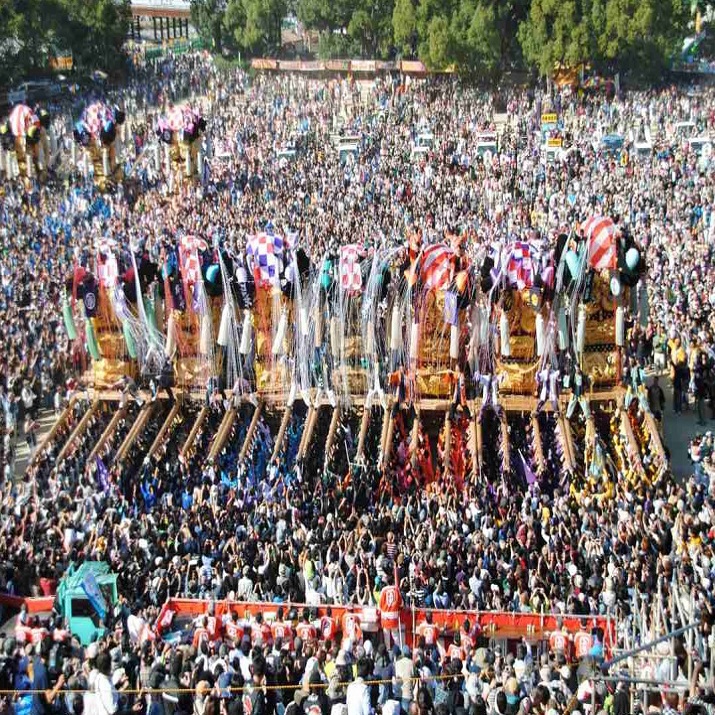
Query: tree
(207,17)
(436,49)
(474,33)
(555,32)
(404,27)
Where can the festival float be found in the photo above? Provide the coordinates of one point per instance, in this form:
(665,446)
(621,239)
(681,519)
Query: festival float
(441,364)
(178,131)
(96,134)
(25,139)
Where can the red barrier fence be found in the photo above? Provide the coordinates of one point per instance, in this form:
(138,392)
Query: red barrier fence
(493,624)
(500,625)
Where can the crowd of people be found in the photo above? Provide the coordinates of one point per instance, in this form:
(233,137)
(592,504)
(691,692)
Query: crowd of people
(179,525)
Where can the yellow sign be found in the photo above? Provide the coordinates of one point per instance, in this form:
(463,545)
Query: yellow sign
(549,118)
(61,63)
(555,142)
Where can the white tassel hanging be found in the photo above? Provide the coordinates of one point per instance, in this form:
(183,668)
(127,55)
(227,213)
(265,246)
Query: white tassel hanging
(8,164)
(370,346)
(334,337)
(73,154)
(304,322)
(170,346)
(41,158)
(157,158)
(200,163)
(504,337)
(167,160)
(224,326)
(106,168)
(620,327)
(53,141)
(15,165)
(280,334)
(483,326)
(540,337)
(188,161)
(454,342)
(205,338)
(414,340)
(581,329)
(245,347)
(563,330)
(29,165)
(395,329)
(318,318)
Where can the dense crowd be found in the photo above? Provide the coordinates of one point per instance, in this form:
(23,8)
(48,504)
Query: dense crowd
(285,532)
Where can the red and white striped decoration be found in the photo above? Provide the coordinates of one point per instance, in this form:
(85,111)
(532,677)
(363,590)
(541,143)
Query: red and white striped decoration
(601,233)
(436,267)
(21,119)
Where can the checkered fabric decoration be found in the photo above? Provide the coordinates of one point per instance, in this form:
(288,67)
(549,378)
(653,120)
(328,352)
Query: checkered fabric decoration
(521,268)
(601,232)
(95,116)
(350,272)
(436,267)
(21,119)
(189,247)
(264,253)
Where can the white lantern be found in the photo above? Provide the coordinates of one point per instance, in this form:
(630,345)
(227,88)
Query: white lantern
(540,337)
(280,334)
(504,335)
(170,346)
(620,327)
(245,346)
(581,329)
(563,330)
(224,327)
(205,337)
(106,168)
(454,342)
(414,340)
(395,329)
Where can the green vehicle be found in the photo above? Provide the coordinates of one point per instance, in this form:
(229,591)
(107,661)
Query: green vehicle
(84,597)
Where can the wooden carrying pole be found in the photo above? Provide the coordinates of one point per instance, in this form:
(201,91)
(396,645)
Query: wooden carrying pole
(388,428)
(506,447)
(136,428)
(79,429)
(447,443)
(415,439)
(173,412)
(223,431)
(310,423)
(251,431)
(304,433)
(334,421)
(200,419)
(538,448)
(60,422)
(364,425)
(107,432)
(281,433)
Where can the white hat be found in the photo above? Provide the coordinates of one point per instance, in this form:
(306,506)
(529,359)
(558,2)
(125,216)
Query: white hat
(92,650)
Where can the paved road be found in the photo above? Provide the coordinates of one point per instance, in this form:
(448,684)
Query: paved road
(46,419)
(679,430)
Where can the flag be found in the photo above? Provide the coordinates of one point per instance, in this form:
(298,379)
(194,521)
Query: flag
(529,475)
(93,593)
(264,254)
(102,475)
(600,233)
(349,267)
